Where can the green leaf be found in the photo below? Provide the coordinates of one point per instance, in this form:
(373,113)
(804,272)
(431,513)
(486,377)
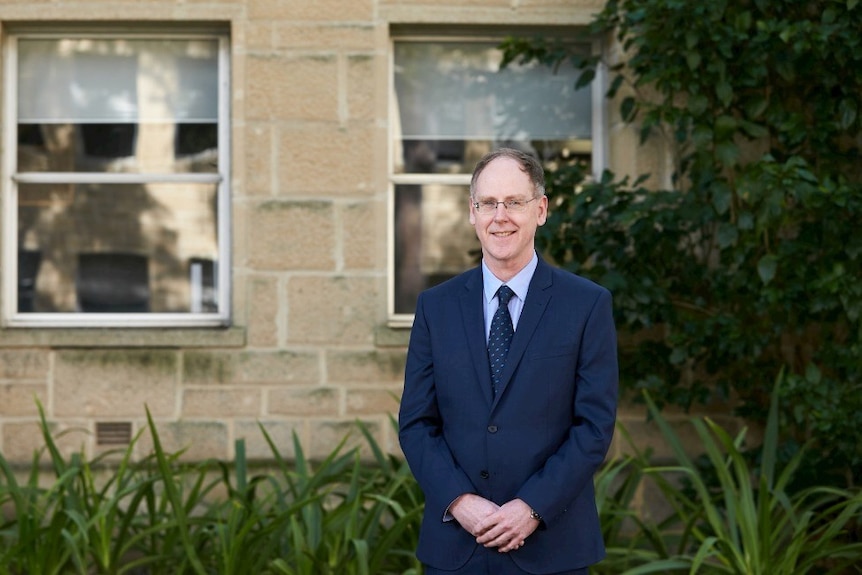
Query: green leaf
(754,130)
(727,153)
(724,91)
(697,104)
(725,125)
(678,355)
(693,60)
(847,110)
(721,197)
(627,108)
(691,40)
(813,375)
(727,235)
(701,135)
(767,267)
(585,79)
(755,106)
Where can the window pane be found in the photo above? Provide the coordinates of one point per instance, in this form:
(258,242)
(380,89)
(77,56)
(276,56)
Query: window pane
(163,147)
(114,80)
(117,105)
(434,240)
(452,94)
(118,248)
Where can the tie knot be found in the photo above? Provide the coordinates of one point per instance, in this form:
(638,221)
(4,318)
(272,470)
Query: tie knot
(504,294)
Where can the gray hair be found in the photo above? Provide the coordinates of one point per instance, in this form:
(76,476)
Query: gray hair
(529,165)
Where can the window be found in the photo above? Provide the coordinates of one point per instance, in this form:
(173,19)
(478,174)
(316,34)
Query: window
(451,104)
(116,200)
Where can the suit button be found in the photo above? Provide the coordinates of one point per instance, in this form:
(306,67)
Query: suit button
(492,429)
(484,474)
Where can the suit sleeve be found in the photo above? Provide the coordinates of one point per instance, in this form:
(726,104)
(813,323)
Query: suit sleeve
(420,426)
(569,471)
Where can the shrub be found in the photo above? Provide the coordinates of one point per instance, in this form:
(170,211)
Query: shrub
(161,516)
(749,522)
(750,261)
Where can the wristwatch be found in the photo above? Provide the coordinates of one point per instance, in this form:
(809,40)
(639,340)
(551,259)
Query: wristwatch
(535,515)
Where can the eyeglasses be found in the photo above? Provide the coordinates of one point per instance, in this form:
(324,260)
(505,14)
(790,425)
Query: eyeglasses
(490,206)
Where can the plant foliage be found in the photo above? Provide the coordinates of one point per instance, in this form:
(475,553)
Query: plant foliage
(750,523)
(749,260)
(112,515)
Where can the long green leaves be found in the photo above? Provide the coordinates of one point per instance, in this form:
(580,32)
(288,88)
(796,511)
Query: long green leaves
(748,523)
(355,514)
(160,516)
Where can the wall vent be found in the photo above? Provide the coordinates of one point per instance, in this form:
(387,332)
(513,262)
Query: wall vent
(113,433)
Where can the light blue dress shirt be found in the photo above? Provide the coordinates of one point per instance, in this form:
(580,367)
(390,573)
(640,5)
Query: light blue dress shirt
(519,284)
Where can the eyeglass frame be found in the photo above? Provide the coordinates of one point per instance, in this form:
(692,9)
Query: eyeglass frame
(507,205)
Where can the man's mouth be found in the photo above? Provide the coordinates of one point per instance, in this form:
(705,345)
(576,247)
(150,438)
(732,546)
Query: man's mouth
(502,234)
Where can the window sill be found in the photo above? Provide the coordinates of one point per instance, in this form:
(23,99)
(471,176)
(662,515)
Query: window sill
(123,337)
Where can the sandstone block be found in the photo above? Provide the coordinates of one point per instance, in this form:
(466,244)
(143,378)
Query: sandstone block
(115,383)
(333,309)
(304,401)
(327,434)
(326,36)
(373,401)
(20,399)
(220,402)
(198,440)
(24,364)
(376,366)
(264,311)
(213,367)
(281,433)
(303,146)
(22,439)
(328,10)
(292,236)
(292,88)
(366,80)
(362,244)
(259,159)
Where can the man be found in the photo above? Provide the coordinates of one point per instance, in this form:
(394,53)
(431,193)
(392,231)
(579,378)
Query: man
(505,455)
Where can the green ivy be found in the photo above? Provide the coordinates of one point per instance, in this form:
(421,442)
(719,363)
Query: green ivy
(752,260)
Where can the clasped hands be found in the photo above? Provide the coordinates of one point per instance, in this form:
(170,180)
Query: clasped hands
(504,526)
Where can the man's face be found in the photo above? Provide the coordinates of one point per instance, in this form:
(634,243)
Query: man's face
(506,237)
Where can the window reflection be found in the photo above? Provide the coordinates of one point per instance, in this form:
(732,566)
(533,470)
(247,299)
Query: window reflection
(452,98)
(118,178)
(434,239)
(118,248)
(118,147)
(453,105)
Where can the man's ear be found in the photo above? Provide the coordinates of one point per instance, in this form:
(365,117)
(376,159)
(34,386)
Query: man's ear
(543,210)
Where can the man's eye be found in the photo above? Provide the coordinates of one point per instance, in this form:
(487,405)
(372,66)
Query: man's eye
(516,204)
(488,205)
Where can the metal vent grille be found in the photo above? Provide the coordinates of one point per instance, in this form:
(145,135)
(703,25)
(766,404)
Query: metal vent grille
(113,433)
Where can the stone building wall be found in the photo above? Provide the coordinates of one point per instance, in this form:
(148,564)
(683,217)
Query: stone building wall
(309,351)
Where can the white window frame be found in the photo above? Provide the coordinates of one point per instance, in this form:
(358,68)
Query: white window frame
(599,155)
(11,317)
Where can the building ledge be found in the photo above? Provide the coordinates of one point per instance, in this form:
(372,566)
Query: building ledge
(124,337)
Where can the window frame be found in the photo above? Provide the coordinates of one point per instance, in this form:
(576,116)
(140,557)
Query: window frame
(11,179)
(598,88)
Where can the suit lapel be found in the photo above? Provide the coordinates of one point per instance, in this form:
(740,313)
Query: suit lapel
(537,300)
(473,314)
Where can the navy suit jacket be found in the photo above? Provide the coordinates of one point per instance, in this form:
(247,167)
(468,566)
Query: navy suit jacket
(541,438)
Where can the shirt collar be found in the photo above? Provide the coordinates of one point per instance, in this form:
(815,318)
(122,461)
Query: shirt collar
(518,284)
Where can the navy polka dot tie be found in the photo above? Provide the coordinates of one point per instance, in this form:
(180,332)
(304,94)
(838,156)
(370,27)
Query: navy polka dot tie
(501,335)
